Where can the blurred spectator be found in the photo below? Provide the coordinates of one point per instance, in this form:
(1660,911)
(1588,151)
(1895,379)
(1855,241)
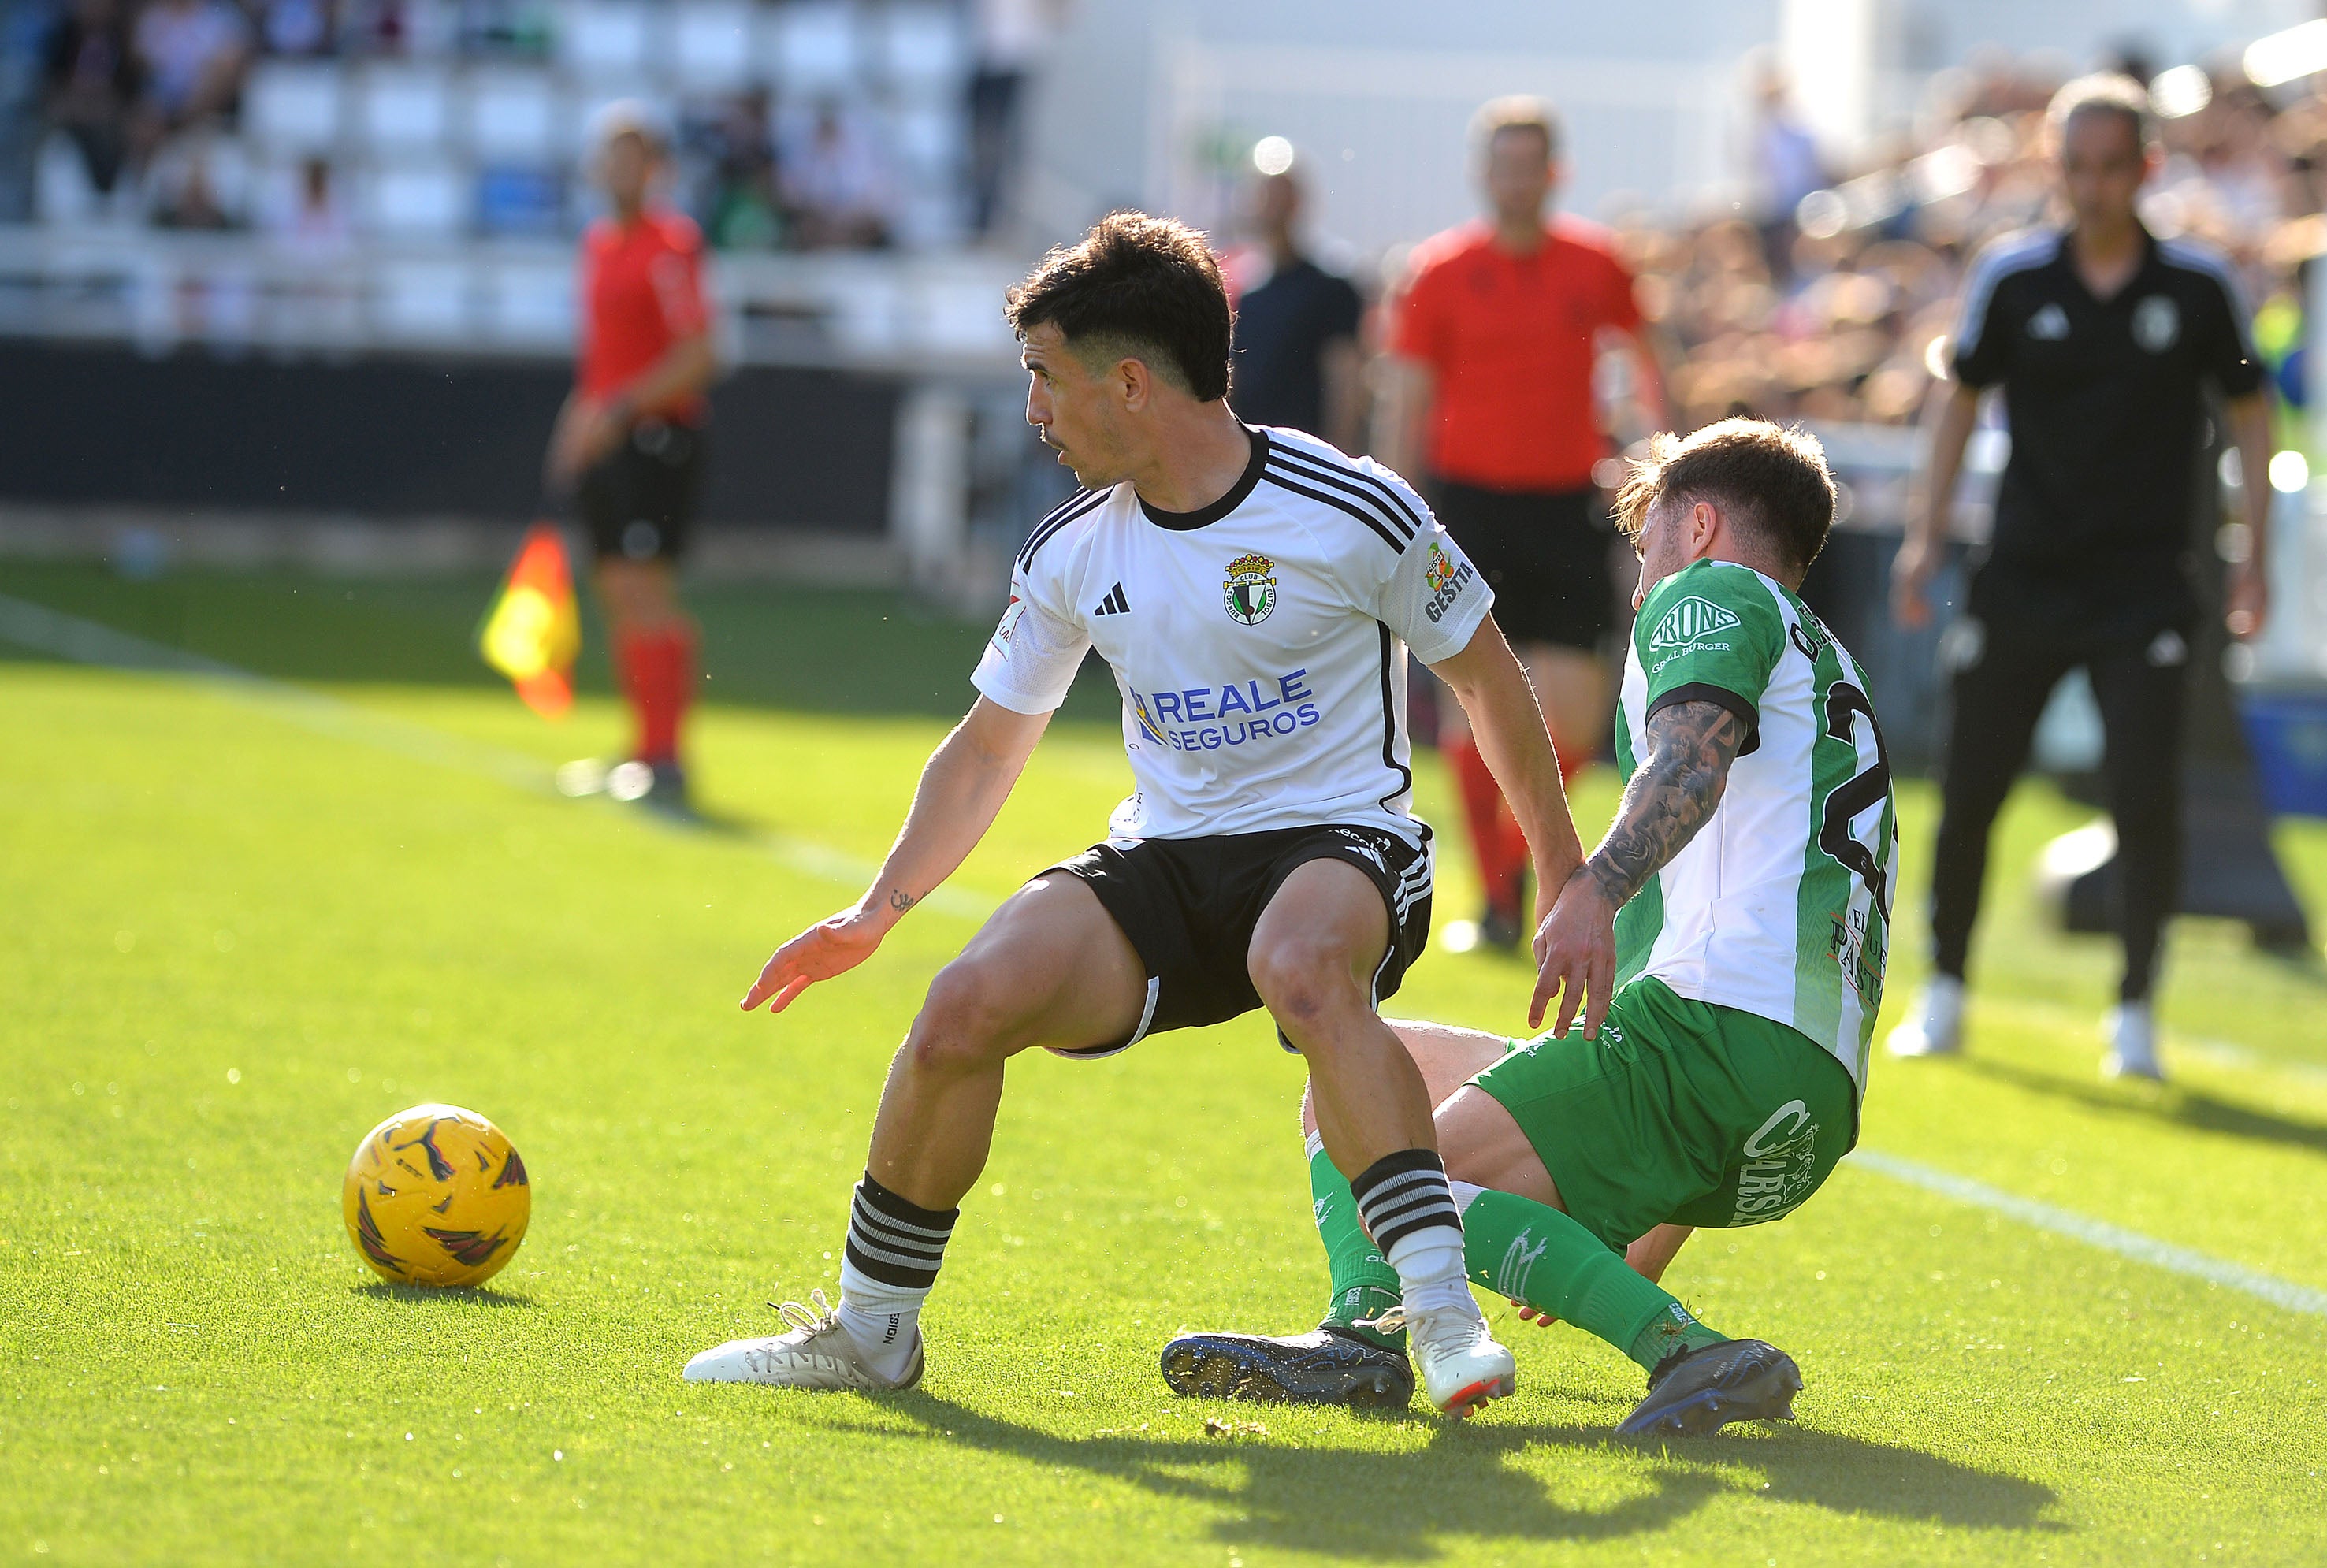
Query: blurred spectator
(1297,327)
(199,181)
(1787,166)
(740,209)
(296,27)
(837,185)
(93,83)
(1011,35)
(193,53)
(315,224)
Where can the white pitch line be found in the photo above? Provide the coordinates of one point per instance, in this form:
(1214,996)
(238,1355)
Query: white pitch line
(2116,1239)
(70,637)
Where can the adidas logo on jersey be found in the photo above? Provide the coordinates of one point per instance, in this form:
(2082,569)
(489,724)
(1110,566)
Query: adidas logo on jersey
(1689,620)
(1115,603)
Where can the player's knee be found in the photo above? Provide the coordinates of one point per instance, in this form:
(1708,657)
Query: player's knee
(1301,982)
(964,1022)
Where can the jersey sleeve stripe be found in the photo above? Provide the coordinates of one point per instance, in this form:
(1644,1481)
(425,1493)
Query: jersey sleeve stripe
(1089,501)
(1277,477)
(1995,265)
(2201,258)
(1699,691)
(1357,481)
(1384,513)
(1082,493)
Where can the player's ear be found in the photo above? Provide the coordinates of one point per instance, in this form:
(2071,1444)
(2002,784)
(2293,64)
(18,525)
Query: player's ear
(1704,522)
(1131,384)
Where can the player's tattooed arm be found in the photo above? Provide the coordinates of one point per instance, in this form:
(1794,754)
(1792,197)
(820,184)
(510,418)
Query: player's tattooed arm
(901,900)
(1690,746)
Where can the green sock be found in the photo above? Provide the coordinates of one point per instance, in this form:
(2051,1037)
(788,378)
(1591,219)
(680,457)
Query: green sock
(1530,1251)
(1364,1283)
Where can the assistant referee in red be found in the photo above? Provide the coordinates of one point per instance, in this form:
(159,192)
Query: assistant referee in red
(629,441)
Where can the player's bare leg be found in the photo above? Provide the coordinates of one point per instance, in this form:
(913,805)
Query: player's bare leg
(1050,968)
(1313,959)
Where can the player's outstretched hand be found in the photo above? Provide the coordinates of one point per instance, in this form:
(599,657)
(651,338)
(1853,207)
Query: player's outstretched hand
(1576,957)
(825,949)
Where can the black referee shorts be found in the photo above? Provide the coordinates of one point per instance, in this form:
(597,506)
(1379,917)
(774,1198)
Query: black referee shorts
(1189,907)
(638,501)
(1544,553)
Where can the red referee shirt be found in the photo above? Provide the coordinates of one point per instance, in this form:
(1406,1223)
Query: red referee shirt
(1511,339)
(641,291)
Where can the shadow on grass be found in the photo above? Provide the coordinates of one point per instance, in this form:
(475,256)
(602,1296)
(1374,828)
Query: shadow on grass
(2185,1107)
(1343,1502)
(443,1295)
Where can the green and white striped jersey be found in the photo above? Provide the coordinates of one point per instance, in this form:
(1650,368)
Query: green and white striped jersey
(1781,905)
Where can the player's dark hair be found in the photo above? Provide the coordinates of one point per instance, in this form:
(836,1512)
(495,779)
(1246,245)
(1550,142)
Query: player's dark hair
(1774,482)
(1518,112)
(2104,92)
(1135,287)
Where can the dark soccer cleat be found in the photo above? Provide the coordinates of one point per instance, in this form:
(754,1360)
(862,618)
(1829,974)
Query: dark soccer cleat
(1329,1365)
(1696,1392)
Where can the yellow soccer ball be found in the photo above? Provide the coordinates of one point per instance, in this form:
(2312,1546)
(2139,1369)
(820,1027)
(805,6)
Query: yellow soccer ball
(436,1196)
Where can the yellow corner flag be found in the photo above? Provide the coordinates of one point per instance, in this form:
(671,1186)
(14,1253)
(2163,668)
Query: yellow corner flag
(533,631)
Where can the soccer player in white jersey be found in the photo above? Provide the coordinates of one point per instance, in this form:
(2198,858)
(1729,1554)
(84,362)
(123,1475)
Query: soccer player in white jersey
(1255,593)
(1747,879)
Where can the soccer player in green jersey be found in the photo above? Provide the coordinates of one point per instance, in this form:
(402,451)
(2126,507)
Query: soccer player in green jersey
(1717,1076)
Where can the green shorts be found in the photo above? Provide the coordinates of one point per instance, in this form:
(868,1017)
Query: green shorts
(1681,1111)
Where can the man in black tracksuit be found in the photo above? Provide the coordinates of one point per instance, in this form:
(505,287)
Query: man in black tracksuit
(2105,341)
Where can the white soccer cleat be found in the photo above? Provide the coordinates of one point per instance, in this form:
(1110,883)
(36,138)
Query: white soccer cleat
(1463,1369)
(2132,1031)
(1936,1026)
(817,1353)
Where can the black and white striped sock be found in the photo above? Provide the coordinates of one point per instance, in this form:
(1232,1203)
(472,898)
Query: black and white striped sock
(1404,1194)
(1410,1211)
(895,1241)
(894,1250)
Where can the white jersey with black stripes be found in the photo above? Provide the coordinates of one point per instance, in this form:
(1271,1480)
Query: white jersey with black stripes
(1259,645)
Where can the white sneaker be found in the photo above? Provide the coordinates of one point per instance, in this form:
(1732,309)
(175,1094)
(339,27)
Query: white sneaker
(2132,1031)
(817,1353)
(1936,1026)
(1462,1366)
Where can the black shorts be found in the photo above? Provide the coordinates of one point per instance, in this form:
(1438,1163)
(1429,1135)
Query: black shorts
(638,500)
(1544,553)
(1189,906)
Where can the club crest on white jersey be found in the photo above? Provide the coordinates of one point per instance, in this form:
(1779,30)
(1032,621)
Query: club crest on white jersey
(1258,644)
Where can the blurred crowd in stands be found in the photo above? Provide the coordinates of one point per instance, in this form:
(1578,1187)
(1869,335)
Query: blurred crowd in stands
(1821,294)
(814,124)
(1828,297)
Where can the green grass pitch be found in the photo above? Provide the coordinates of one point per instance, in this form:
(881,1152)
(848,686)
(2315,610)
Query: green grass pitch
(238,927)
